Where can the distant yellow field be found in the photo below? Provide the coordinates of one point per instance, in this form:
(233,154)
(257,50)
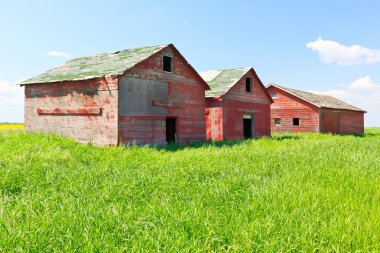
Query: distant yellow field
(11,126)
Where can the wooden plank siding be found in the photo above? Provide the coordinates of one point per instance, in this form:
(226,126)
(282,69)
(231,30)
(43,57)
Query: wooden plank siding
(181,96)
(225,115)
(286,107)
(341,121)
(311,118)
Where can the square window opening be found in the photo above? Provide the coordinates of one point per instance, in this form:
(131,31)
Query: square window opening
(167,63)
(296,121)
(274,95)
(277,121)
(248,84)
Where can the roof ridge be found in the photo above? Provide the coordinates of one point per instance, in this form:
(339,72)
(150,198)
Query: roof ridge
(95,66)
(117,52)
(319,100)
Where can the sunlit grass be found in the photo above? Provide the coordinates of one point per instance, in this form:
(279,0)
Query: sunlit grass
(303,192)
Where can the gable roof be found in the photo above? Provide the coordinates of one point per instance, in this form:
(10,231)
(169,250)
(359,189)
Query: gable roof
(221,81)
(96,66)
(320,101)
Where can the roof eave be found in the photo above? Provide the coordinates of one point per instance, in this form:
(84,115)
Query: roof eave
(303,99)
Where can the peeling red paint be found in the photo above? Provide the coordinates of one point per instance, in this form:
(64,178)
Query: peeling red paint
(225,118)
(311,118)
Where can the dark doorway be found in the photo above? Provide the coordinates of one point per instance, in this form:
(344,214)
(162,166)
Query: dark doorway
(171,130)
(247,128)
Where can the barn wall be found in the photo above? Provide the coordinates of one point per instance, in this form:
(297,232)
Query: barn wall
(148,95)
(233,112)
(286,107)
(237,102)
(83,110)
(341,121)
(257,95)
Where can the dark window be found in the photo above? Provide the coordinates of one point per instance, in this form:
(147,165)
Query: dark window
(277,121)
(274,95)
(248,84)
(296,121)
(90,92)
(171,130)
(167,63)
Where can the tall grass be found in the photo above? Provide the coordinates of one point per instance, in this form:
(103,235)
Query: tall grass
(298,192)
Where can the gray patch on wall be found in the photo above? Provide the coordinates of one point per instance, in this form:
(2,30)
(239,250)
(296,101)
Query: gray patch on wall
(136,96)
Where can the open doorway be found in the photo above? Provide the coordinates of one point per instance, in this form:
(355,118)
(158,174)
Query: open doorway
(171,130)
(248,126)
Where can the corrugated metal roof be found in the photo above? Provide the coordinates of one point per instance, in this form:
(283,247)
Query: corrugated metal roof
(221,81)
(84,68)
(321,101)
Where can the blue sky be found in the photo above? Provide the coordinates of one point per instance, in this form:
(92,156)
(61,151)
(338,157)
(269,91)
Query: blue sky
(330,47)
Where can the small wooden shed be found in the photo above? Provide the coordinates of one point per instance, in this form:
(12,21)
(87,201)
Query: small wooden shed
(300,111)
(237,106)
(143,95)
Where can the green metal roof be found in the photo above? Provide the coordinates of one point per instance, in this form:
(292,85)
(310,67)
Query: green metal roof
(84,68)
(222,81)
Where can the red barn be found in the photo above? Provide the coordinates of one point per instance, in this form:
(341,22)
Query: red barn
(237,106)
(143,95)
(300,111)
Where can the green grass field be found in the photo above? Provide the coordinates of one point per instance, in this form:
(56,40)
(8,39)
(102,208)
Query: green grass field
(299,192)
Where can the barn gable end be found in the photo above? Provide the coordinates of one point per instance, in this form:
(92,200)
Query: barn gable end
(101,98)
(237,105)
(149,96)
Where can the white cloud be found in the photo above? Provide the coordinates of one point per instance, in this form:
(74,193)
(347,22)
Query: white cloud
(363,93)
(364,83)
(330,51)
(58,54)
(11,102)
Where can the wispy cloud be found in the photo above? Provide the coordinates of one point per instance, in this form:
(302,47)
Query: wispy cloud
(11,102)
(362,92)
(330,51)
(56,53)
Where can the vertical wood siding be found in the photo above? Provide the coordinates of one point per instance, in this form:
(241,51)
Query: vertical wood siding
(341,121)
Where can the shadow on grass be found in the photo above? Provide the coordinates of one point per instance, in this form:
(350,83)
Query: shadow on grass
(202,144)
(221,144)
(286,137)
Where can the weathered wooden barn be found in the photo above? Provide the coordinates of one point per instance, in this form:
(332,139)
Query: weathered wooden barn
(300,111)
(143,95)
(237,106)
